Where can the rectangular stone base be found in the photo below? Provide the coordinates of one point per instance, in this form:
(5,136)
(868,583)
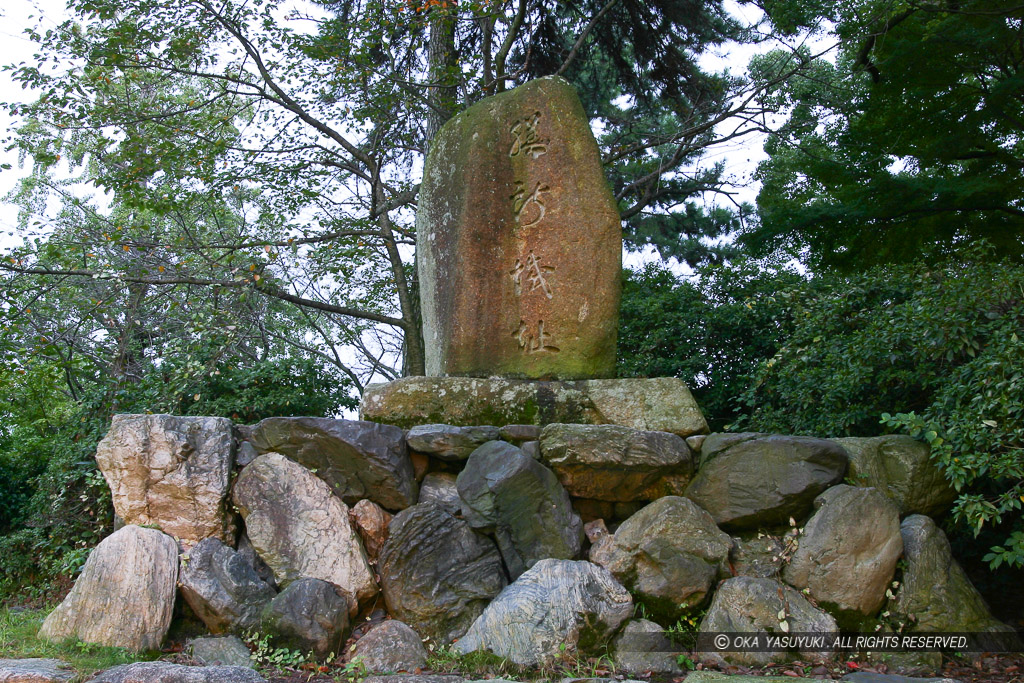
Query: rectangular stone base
(662,404)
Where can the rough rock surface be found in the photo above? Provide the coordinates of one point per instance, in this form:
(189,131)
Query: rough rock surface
(222,588)
(299,528)
(555,604)
(448,442)
(309,615)
(357,459)
(519,434)
(390,646)
(250,555)
(165,672)
(173,472)
(763,481)
(745,605)
(662,404)
(221,651)
(935,589)
(440,488)
(527,285)
(669,555)
(35,671)
(848,552)
(900,467)
(614,463)
(124,596)
(371,521)
(506,491)
(643,647)
(759,555)
(872,677)
(415,678)
(438,574)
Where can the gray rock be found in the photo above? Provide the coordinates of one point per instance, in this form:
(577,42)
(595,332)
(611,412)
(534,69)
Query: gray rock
(519,434)
(719,677)
(936,595)
(250,555)
(221,651)
(848,552)
(746,605)
(437,574)
(222,588)
(506,491)
(614,463)
(763,481)
(390,646)
(35,671)
(556,604)
(300,529)
(309,615)
(716,442)
(415,678)
(246,454)
(357,459)
(669,555)
(643,647)
(173,472)
(871,677)
(696,442)
(448,442)
(900,467)
(532,449)
(165,672)
(663,404)
(761,556)
(440,488)
(124,596)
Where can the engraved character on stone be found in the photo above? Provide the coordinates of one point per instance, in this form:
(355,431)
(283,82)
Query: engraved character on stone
(534,344)
(536,276)
(525,139)
(529,205)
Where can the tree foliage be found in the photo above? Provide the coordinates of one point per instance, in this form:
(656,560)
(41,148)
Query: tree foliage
(909,143)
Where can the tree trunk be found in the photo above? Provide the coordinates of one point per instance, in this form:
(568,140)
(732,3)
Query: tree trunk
(441,73)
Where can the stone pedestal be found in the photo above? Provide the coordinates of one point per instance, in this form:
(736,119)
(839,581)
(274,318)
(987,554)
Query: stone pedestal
(519,241)
(663,404)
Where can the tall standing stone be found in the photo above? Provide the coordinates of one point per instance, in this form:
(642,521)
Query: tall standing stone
(519,241)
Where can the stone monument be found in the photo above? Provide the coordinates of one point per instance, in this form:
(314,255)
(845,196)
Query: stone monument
(519,244)
(519,241)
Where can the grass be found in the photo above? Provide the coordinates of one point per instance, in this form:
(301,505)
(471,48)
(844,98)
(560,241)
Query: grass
(18,640)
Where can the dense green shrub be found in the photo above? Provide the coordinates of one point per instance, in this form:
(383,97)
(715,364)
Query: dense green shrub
(711,330)
(932,350)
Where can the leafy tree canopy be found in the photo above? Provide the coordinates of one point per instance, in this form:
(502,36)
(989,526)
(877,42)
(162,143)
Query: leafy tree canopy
(910,143)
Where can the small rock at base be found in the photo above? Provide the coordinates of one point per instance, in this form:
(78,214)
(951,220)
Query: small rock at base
(35,671)
(165,672)
(871,677)
(448,442)
(221,650)
(310,615)
(390,646)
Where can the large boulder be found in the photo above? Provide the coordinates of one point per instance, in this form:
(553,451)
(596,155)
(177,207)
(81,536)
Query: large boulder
(936,595)
(506,491)
(124,596)
(390,646)
(222,587)
(614,463)
(437,574)
(662,404)
(669,555)
(300,528)
(848,552)
(748,605)
(765,480)
(527,285)
(643,647)
(556,607)
(35,671)
(165,672)
(309,615)
(900,467)
(448,442)
(172,472)
(357,459)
